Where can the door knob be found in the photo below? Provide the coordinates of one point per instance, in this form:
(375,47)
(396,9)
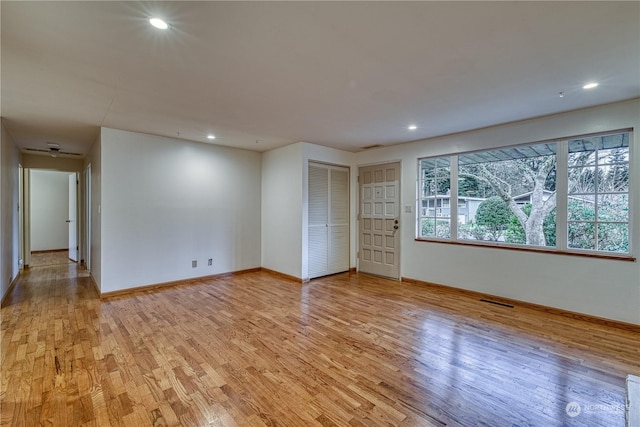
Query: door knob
(68,220)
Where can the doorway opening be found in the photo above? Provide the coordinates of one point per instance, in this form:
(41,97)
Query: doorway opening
(51,218)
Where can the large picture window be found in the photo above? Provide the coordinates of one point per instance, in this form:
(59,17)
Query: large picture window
(517,188)
(571,195)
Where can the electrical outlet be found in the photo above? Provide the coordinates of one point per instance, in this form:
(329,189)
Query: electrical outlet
(210,262)
(194,263)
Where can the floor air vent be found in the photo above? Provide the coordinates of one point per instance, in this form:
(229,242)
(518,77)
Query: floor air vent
(496,303)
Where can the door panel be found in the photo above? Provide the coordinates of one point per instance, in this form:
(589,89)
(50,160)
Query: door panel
(318,220)
(339,220)
(72,221)
(379,245)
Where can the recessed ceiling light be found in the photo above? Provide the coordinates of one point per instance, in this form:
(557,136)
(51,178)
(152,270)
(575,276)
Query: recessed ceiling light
(158,23)
(210,136)
(590,85)
(412,127)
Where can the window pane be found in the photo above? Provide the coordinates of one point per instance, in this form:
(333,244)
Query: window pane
(581,208)
(613,237)
(582,158)
(435,227)
(427,227)
(613,207)
(616,182)
(582,180)
(524,176)
(429,188)
(434,203)
(582,235)
(614,155)
(432,227)
(613,178)
(617,140)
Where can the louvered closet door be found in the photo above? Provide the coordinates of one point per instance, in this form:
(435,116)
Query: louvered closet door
(328,219)
(318,220)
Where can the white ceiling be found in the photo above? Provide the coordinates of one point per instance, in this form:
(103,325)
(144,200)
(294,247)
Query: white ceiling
(340,74)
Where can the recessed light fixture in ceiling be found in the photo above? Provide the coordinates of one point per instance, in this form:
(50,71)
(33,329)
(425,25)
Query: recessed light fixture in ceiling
(211,136)
(412,127)
(590,85)
(158,23)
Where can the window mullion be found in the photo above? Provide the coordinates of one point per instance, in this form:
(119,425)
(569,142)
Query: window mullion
(453,200)
(562,194)
(632,191)
(418,207)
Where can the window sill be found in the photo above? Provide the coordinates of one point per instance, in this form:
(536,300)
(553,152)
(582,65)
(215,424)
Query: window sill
(620,257)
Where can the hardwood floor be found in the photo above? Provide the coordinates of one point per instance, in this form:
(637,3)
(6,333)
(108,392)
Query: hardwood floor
(258,350)
(44,258)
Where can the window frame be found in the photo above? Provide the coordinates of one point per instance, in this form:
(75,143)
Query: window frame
(562,195)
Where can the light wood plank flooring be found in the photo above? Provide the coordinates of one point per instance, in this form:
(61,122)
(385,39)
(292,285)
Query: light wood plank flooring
(45,258)
(258,350)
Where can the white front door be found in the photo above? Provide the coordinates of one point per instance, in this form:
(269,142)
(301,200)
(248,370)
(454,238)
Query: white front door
(72,220)
(379,237)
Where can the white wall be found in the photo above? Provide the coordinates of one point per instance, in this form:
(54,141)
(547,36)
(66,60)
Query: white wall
(94,158)
(282,189)
(285,187)
(49,196)
(599,287)
(167,202)
(9,191)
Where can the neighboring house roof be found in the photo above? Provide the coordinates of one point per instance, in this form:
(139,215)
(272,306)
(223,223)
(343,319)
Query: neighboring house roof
(527,195)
